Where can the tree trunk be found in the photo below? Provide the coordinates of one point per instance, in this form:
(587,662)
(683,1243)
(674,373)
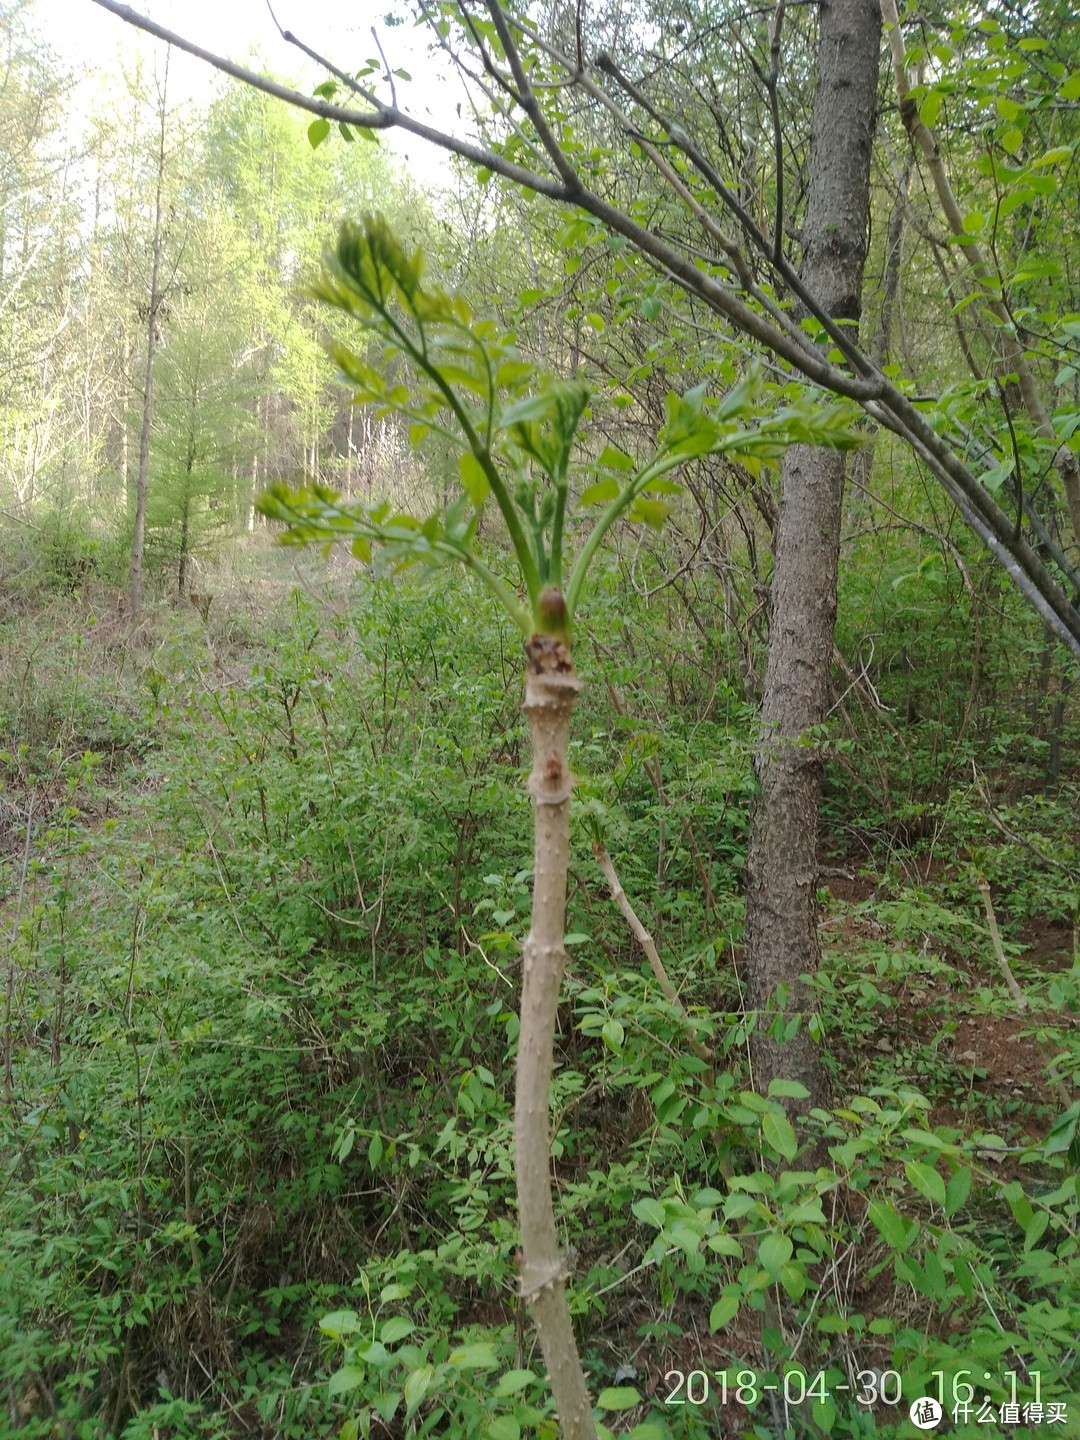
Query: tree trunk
(551,691)
(185,551)
(153,309)
(781,922)
(184,560)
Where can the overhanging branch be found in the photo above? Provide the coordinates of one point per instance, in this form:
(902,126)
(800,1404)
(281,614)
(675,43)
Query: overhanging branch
(863,382)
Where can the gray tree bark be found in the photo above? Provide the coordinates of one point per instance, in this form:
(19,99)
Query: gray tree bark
(781,921)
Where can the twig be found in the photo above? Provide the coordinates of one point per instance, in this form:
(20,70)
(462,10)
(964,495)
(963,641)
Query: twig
(645,940)
(999,950)
(389,76)
(1060,1089)
(771,84)
(1014,835)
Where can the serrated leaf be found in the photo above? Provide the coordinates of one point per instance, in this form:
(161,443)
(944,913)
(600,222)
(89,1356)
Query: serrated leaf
(1053,157)
(890,1225)
(723,1312)
(649,1212)
(530,407)
(513,1382)
(1035,1229)
(653,513)
(778,1132)
(318,130)
(374,1352)
(1063,1131)
(618,1397)
(600,493)
(808,1212)
(793,1279)
(739,400)
(930,108)
(339,1323)
(612,458)
(386,1403)
(929,1139)
(476,483)
(957,1191)
(994,477)
(613,1034)
(503,1427)
(926,1180)
(706,1198)
(417,1386)
(774,1252)
(395,1329)
(349,1377)
(724,1245)
(1022,195)
(480,1356)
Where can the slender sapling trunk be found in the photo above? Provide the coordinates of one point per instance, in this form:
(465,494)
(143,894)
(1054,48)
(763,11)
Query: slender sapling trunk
(551,690)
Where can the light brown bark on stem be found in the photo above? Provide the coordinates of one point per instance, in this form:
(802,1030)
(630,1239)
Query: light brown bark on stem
(648,944)
(551,690)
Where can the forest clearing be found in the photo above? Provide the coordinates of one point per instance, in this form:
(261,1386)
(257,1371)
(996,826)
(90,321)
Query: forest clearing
(539,744)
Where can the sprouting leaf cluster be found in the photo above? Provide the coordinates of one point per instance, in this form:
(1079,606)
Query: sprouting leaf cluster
(514,427)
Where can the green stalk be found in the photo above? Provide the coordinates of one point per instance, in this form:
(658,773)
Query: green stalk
(618,507)
(502,592)
(529,571)
(555,573)
(481,452)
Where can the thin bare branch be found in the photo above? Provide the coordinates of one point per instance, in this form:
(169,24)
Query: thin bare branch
(776,25)
(383,117)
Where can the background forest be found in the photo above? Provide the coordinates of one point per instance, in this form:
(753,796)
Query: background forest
(265,846)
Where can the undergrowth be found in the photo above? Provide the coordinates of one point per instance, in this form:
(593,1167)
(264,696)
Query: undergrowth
(265,885)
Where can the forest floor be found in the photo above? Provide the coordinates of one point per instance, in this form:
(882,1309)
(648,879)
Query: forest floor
(102,745)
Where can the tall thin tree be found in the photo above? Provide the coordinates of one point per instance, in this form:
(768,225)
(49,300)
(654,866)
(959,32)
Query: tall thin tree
(153,312)
(781,929)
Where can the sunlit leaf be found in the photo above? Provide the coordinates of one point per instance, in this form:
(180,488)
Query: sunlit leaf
(600,493)
(651,512)
(473,478)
